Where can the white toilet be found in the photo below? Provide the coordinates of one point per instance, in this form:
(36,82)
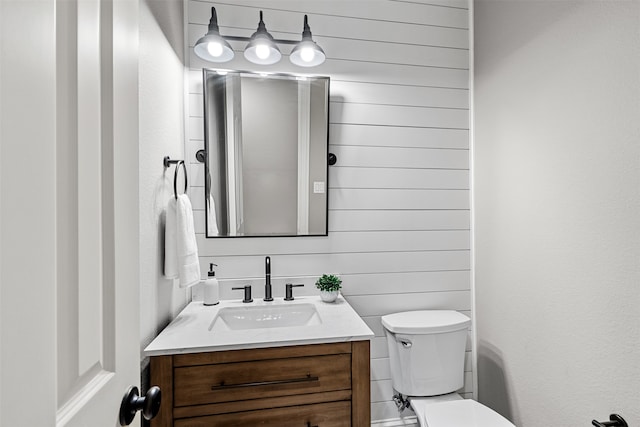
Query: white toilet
(426,353)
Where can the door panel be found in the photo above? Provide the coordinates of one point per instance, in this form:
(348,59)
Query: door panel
(84,307)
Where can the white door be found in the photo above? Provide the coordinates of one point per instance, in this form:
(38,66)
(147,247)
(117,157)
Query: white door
(69,299)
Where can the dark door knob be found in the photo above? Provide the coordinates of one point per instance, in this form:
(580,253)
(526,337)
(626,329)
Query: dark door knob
(615,420)
(132,403)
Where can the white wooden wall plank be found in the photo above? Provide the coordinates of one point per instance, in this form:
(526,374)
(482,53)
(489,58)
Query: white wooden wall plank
(372,93)
(380,369)
(343,242)
(196,173)
(396,136)
(405,282)
(289,26)
(378,199)
(381,136)
(459,4)
(379,348)
(345,112)
(194,80)
(342,198)
(196,105)
(358,90)
(372,220)
(196,128)
(196,194)
(364,93)
(372,10)
(380,115)
(199,223)
(371,177)
(360,71)
(400,157)
(290,265)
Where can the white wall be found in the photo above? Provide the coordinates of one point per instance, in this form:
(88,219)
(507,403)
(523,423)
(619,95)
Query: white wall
(399,194)
(161,81)
(557,188)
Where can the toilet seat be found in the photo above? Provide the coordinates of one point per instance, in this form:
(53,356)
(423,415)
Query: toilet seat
(456,413)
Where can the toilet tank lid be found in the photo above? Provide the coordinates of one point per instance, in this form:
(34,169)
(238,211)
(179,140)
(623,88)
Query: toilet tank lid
(425,322)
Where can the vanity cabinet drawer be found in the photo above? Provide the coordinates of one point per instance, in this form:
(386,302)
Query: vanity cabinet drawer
(333,414)
(228,382)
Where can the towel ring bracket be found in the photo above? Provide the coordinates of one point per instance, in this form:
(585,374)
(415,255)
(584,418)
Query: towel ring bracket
(168,162)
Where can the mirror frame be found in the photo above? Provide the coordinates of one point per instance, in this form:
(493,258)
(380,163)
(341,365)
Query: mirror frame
(203,155)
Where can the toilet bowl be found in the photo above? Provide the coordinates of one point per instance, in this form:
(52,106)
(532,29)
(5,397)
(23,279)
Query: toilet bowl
(426,356)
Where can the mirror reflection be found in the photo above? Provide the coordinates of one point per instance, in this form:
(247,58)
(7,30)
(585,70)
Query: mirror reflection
(266,144)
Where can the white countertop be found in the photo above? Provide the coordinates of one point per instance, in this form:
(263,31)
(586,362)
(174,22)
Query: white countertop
(190,330)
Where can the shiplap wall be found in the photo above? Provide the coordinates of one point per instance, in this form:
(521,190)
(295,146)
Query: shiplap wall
(399,194)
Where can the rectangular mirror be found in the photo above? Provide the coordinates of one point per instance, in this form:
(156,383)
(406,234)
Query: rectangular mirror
(266,148)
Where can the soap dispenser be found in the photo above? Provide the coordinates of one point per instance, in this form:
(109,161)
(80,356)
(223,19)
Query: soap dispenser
(211,287)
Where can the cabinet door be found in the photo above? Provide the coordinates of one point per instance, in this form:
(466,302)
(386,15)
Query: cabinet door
(333,414)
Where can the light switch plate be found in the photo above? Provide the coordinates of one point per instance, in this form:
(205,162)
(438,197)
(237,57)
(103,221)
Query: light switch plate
(318,187)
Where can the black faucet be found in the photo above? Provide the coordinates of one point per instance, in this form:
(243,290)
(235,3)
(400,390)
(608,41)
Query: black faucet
(267,279)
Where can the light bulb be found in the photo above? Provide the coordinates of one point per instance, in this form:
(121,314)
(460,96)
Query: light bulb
(307,54)
(262,51)
(214,49)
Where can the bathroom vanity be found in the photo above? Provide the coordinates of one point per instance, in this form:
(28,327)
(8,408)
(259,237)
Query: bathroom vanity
(285,363)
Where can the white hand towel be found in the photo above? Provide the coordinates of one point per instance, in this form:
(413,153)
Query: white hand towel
(171,241)
(188,262)
(181,249)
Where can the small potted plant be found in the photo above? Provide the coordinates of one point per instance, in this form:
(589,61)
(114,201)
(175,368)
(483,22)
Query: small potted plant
(329,286)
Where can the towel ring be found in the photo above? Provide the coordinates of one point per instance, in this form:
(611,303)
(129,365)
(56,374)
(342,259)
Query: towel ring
(167,162)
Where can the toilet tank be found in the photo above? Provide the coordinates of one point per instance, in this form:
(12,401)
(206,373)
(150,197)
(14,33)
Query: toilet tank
(426,351)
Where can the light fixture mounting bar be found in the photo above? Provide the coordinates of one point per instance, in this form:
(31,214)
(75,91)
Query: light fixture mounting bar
(246,39)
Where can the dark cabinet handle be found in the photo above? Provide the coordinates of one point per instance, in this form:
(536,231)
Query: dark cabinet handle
(309,425)
(223,386)
(132,403)
(615,420)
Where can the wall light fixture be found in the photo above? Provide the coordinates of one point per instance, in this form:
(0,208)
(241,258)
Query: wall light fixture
(262,48)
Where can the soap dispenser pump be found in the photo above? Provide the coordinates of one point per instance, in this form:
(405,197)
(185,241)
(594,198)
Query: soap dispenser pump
(211,287)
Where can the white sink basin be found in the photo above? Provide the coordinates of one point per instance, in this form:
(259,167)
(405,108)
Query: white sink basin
(265,316)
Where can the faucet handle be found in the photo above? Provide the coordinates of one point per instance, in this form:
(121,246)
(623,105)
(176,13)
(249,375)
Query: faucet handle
(288,291)
(247,293)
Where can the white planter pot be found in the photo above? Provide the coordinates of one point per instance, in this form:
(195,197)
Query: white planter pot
(329,296)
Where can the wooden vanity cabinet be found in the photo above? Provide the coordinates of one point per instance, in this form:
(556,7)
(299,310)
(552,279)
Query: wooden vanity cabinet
(319,385)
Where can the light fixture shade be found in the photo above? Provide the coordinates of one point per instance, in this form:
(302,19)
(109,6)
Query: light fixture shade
(212,46)
(307,53)
(262,49)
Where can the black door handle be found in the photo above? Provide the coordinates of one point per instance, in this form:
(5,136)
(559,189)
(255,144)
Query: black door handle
(132,403)
(615,420)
